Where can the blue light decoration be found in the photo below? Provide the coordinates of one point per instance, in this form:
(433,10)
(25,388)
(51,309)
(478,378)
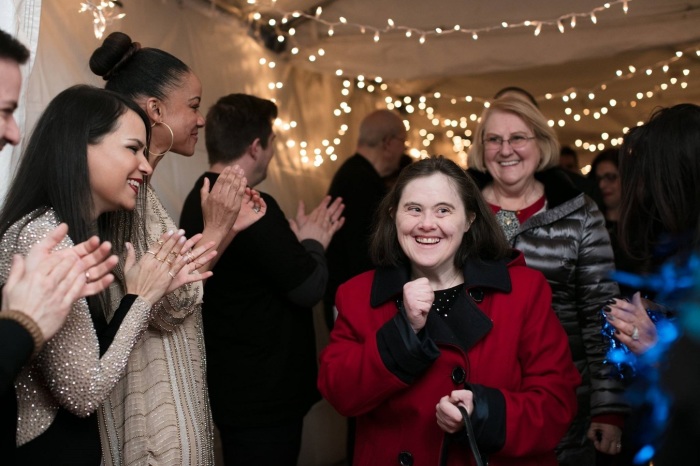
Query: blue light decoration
(677,286)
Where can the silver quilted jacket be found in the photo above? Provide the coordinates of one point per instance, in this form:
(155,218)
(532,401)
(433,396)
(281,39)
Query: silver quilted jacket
(569,244)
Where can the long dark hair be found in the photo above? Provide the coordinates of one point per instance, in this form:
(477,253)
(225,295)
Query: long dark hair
(660,173)
(134,71)
(53,172)
(484,240)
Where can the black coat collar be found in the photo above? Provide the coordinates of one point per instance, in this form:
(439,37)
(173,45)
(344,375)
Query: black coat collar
(389,281)
(558,187)
(466,324)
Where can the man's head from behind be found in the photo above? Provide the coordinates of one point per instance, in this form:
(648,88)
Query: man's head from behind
(383,131)
(239,129)
(12,54)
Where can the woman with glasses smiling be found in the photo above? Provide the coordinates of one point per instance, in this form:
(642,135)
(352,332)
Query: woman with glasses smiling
(562,234)
(606,172)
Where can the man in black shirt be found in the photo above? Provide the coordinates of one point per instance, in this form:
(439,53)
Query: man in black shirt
(362,183)
(258,326)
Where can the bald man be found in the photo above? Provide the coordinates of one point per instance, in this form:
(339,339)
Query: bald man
(360,182)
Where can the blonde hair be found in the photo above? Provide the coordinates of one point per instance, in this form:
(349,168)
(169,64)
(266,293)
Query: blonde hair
(546,138)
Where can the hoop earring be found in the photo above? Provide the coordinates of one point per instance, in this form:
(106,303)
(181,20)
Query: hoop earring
(172,138)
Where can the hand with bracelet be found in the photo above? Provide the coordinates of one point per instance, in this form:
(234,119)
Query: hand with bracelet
(168,264)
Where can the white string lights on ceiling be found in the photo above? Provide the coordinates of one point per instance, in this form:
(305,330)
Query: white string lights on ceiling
(103,14)
(458,131)
(261,12)
(593,101)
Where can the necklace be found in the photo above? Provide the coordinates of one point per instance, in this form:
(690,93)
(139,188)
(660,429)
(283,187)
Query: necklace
(508,219)
(529,198)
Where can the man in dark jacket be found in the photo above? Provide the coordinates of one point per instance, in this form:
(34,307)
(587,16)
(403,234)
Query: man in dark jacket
(362,183)
(258,326)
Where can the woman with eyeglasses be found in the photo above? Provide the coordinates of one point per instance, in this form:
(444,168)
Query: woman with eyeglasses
(562,234)
(605,171)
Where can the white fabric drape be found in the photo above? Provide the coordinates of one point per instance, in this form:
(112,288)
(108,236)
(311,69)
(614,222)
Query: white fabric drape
(20,18)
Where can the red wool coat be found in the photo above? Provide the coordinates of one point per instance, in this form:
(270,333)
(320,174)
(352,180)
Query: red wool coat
(501,338)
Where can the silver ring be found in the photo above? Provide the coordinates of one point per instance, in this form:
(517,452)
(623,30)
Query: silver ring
(635,334)
(619,445)
(256,209)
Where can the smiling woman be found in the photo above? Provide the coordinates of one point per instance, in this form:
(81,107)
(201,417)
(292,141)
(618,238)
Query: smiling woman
(451,318)
(83,165)
(119,156)
(562,234)
(160,409)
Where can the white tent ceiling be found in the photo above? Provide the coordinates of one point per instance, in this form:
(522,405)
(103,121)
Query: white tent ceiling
(454,64)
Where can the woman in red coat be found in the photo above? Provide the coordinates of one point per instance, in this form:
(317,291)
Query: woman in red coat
(451,317)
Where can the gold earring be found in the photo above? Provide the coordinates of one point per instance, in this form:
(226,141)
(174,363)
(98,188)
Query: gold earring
(172,138)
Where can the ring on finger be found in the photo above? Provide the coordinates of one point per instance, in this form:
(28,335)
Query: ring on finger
(161,242)
(151,252)
(171,274)
(168,261)
(256,209)
(635,333)
(158,258)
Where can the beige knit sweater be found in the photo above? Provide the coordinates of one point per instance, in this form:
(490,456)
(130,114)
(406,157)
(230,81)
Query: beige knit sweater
(158,414)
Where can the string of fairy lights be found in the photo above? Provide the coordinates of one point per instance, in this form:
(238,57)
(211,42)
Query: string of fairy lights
(423,119)
(104,13)
(262,11)
(583,104)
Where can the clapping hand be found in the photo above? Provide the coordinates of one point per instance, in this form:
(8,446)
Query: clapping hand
(163,268)
(321,223)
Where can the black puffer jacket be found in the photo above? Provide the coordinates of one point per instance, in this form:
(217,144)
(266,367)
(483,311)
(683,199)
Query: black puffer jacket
(569,244)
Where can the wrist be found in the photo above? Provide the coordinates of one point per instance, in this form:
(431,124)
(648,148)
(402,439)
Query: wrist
(29,325)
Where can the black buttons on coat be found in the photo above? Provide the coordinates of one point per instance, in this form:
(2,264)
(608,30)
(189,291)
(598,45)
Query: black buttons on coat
(405,458)
(458,375)
(477,294)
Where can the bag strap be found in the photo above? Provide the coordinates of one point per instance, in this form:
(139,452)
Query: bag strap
(470,435)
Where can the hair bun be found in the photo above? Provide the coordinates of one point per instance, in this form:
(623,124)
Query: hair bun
(114,52)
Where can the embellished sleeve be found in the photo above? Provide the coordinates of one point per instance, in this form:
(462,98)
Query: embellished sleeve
(76,375)
(70,364)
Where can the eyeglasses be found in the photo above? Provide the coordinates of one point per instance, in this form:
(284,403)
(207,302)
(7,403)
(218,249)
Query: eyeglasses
(608,177)
(516,142)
